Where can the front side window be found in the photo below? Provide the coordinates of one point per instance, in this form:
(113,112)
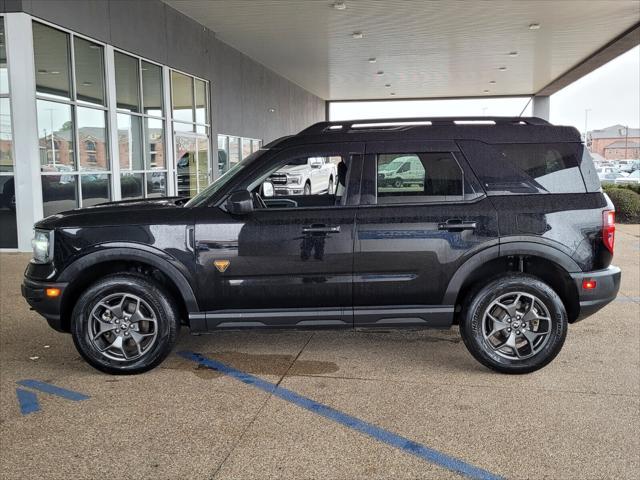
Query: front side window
(418,177)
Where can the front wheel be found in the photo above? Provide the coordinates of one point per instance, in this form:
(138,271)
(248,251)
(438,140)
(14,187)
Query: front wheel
(514,324)
(125,324)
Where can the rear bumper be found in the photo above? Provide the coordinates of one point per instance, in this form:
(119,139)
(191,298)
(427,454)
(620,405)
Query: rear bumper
(606,290)
(34,293)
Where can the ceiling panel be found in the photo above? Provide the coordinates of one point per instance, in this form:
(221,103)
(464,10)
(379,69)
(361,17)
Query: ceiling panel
(425,48)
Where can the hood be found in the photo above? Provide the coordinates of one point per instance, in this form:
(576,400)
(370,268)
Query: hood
(292,169)
(124,212)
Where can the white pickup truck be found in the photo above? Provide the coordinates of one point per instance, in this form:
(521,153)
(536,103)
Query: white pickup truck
(306,176)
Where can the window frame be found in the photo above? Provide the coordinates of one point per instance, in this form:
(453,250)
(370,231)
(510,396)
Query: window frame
(74,104)
(164,118)
(195,124)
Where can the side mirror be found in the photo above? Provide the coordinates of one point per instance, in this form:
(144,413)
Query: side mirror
(240,203)
(267,190)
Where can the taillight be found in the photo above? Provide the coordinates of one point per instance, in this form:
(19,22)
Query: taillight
(609,229)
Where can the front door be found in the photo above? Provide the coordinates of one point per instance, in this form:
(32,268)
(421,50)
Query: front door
(289,262)
(415,232)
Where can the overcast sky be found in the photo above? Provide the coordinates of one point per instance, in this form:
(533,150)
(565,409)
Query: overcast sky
(611,93)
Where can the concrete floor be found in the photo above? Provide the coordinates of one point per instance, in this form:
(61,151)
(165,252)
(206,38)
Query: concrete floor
(578,418)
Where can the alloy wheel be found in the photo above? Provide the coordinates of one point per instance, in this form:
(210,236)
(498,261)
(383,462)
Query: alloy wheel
(516,325)
(123,327)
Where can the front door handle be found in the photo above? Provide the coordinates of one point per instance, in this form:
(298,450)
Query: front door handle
(322,229)
(455,225)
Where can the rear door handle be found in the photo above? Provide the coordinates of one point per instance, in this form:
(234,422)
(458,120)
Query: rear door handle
(454,225)
(322,229)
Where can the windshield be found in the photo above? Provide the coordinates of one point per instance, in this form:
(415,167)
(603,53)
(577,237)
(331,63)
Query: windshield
(202,197)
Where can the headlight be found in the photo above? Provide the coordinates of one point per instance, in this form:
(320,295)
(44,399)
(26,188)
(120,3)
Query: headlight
(294,179)
(42,244)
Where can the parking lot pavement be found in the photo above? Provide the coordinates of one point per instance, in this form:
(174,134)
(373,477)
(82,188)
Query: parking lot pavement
(577,418)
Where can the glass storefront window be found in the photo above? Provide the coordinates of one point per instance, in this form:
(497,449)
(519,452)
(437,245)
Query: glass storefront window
(89,68)
(131,185)
(201,102)
(6,135)
(156,184)
(4,70)
(95,189)
(234,151)
(129,142)
(152,89)
(182,97)
(55,136)
(59,193)
(154,144)
(246,147)
(127,82)
(223,154)
(52,62)
(92,139)
(8,226)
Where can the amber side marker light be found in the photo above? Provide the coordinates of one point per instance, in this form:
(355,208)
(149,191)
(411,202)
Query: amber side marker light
(588,284)
(52,292)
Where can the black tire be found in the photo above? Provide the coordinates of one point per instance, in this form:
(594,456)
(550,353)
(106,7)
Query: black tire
(307,189)
(156,302)
(473,326)
(397,183)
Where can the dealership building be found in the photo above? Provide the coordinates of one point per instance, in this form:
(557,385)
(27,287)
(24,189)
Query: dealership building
(104,100)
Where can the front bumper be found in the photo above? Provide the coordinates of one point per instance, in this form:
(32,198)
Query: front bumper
(49,307)
(606,290)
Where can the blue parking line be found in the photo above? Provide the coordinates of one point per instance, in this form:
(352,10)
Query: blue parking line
(28,401)
(53,390)
(380,434)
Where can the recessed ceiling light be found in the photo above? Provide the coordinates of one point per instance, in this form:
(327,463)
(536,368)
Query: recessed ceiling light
(380,72)
(492,81)
(87,84)
(373,60)
(42,70)
(55,72)
(392,93)
(93,46)
(513,54)
(502,69)
(485,91)
(339,5)
(272,110)
(534,26)
(387,85)
(357,35)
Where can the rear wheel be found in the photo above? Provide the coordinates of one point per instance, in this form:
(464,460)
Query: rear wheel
(514,324)
(125,324)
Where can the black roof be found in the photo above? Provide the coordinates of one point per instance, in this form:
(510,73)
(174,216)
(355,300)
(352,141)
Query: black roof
(486,129)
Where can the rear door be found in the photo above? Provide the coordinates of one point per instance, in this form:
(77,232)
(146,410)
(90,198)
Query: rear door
(412,236)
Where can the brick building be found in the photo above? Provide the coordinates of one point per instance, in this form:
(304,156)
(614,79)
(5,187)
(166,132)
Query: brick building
(616,142)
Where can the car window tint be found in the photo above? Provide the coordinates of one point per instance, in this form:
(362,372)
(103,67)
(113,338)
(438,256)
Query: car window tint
(418,177)
(527,168)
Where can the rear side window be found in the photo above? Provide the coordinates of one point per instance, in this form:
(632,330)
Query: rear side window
(418,177)
(527,168)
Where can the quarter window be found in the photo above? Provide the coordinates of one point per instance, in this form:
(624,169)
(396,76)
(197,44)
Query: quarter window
(418,177)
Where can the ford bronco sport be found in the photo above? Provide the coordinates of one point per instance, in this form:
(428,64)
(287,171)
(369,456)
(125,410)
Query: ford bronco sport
(506,233)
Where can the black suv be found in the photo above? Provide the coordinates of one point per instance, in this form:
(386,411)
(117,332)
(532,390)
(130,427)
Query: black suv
(499,225)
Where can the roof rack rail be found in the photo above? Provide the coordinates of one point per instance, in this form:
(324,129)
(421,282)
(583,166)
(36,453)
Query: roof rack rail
(395,123)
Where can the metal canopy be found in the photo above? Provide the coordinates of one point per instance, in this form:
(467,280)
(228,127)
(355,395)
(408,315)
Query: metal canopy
(423,49)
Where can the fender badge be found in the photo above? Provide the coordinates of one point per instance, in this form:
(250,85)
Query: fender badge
(221,265)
